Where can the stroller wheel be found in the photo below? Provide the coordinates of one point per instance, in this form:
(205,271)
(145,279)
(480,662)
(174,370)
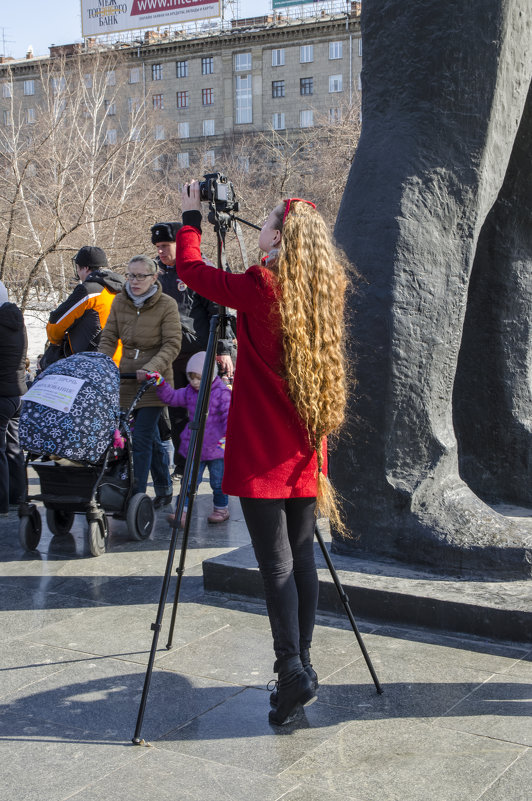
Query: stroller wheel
(97,535)
(140,516)
(59,522)
(29,529)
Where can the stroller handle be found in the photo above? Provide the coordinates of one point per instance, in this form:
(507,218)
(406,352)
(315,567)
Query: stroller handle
(133,376)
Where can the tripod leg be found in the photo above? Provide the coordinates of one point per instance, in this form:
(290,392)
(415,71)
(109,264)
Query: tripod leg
(189,487)
(345,601)
(190,476)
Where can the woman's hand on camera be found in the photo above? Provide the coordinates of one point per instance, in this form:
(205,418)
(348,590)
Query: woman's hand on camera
(190,197)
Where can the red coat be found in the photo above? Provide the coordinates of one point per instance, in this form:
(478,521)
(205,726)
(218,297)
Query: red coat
(267,452)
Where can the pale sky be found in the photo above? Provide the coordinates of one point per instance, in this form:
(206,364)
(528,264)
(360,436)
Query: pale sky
(40,23)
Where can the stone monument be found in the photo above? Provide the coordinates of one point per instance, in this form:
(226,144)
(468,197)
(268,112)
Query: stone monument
(437,218)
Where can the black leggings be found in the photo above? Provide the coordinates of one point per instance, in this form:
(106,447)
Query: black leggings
(282,534)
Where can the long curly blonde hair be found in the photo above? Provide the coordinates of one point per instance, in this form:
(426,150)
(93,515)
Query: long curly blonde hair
(312,283)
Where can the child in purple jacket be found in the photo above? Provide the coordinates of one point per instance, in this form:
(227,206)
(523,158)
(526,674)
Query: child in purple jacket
(212,452)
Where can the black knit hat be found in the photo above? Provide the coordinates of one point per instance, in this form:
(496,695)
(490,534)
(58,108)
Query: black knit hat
(89,256)
(164,232)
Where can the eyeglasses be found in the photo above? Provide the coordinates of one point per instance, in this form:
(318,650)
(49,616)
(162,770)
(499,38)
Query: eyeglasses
(139,276)
(291,200)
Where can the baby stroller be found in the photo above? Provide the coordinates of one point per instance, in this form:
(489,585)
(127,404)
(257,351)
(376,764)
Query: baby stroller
(71,418)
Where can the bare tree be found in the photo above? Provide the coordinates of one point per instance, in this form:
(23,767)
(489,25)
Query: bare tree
(72,176)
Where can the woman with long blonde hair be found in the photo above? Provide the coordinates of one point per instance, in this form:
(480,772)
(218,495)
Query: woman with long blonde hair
(288,396)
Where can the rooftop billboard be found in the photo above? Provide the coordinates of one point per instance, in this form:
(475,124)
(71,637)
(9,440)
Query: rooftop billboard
(115,16)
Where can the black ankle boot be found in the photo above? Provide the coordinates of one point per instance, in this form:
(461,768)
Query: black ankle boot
(294,687)
(305,661)
(309,670)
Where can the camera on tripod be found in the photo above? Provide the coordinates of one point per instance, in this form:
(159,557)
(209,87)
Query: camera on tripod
(217,190)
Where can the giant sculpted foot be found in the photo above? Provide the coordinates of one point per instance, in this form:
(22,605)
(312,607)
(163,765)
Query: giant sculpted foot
(442,525)
(454,529)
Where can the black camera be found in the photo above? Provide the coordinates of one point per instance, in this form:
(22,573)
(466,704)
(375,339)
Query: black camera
(217,190)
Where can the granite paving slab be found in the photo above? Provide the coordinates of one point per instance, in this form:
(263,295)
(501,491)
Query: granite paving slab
(123,632)
(43,761)
(162,775)
(100,698)
(26,663)
(237,733)
(500,708)
(514,783)
(25,613)
(391,760)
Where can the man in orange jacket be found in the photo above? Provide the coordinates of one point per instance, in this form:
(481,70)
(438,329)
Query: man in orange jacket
(76,324)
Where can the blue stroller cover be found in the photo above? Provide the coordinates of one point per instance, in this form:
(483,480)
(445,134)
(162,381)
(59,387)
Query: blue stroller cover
(73,408)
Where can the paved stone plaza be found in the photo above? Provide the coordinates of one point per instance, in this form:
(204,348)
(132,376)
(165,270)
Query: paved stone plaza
(453,724)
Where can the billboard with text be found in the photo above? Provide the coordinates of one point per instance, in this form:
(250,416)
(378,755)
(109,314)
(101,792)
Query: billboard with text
(115,16)
(286,3)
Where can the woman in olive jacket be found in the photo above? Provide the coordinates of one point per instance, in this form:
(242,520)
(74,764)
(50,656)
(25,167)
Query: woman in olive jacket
(148,325)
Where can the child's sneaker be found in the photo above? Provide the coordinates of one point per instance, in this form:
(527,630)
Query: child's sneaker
(219,515)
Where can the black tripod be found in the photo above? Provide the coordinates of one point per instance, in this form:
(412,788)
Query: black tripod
(222,223)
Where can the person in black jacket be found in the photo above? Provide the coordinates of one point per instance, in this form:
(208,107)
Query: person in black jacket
(13,347)
(195,312)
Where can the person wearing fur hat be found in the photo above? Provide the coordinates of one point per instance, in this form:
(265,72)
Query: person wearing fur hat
(13,347)
(77,323)
(213,446)
(195,312)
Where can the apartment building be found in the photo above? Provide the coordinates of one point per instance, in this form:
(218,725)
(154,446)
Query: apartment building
(204,87)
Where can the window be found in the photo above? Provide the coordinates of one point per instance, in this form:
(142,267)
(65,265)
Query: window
(306,118)
(5,117)
(181,69)
(208,127)
(111,78)
(335,50)
(158,102)
(335,83)
(134,75)
(87,80)
(158,164)
(207,66)
(58,84)
(6,90)
(242,62)
(359,82)
(159,132)
(278,58)
(156,72)
(335,115)
(278,121)
(133,104)
(243,99)
(182,99)
(306,54)
(306,86)
(243,163)
(208,158)
(360,47)
(134,136)
(29,87)
(110,136)
(277,88)
(206,97)
(110,108)
(183,161)
(29,116)
(183,130)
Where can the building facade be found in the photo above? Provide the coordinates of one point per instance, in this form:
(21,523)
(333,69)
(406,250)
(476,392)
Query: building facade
(203,88)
